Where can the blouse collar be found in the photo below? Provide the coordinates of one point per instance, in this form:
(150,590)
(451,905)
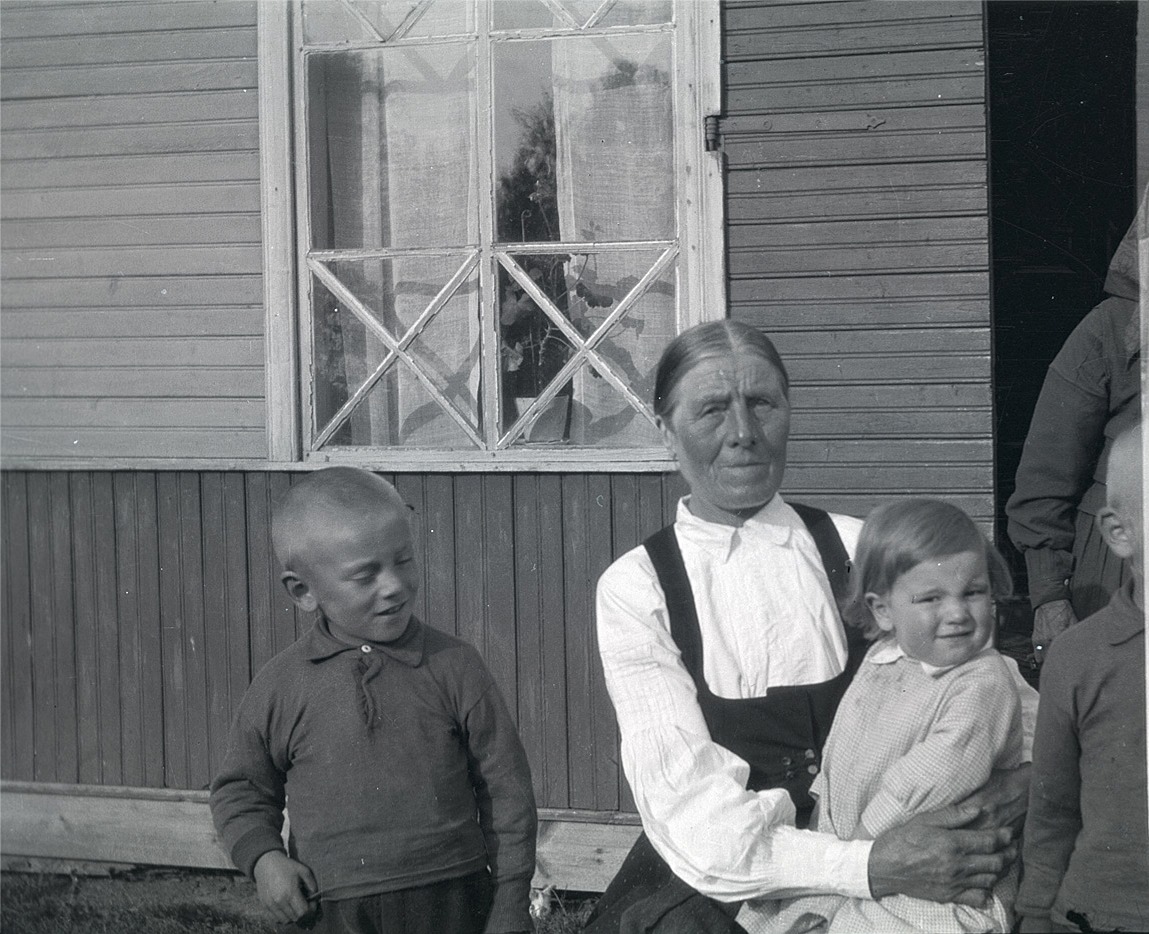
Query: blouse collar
(773,523)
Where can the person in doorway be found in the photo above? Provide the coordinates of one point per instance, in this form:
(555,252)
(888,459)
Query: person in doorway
(1091,393)
(725,658)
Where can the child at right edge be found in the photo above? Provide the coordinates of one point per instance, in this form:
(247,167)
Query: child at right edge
(1086,843)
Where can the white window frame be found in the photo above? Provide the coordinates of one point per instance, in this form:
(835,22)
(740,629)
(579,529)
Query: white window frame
(701,257)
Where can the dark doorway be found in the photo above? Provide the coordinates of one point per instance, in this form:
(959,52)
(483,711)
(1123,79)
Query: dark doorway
(1063,176)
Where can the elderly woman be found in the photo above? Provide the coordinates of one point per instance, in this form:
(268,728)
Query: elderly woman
(725,658)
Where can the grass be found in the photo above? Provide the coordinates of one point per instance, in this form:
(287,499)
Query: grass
(175,902)
(48,904)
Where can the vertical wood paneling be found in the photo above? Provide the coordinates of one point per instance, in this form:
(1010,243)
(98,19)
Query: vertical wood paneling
(499,569)
(43,647)
(439,553)
(19,702)
(107,622)
(138,605)
(469,561)
(150,621)
(260,567)
(552,583)
(531,710)
(284,622)
(173,637)
(86,627)
(580,661)
(604,728)
(192,579)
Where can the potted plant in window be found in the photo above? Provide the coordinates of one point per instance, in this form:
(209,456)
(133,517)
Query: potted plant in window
(534,348)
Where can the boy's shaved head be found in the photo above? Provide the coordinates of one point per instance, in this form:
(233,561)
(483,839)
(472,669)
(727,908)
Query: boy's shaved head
(323,499)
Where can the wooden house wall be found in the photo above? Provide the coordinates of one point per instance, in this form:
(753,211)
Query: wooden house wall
(137,605)
(131,245)
(858,237)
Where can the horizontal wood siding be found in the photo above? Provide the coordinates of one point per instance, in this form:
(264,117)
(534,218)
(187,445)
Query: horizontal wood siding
(131,255)
(137,605)
(857,236)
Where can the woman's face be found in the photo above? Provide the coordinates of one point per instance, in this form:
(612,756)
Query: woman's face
(727,426)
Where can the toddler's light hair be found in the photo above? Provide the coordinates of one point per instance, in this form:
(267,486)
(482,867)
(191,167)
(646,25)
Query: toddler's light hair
(900,535)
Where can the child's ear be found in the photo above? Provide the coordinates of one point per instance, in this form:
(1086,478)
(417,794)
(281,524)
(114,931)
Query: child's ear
(881,611)
(299,592)
(1117,532)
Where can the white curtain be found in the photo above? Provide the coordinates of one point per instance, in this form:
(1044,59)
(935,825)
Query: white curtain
(394,130)
(615,140)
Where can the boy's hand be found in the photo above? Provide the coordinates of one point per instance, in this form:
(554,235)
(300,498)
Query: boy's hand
(284,886)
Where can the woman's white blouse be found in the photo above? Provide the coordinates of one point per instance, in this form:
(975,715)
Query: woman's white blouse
(768,619)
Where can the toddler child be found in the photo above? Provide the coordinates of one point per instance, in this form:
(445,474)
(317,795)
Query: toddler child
(1086,845)
(932,711)
(410,796)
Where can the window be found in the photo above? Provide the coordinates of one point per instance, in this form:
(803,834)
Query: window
(501,221)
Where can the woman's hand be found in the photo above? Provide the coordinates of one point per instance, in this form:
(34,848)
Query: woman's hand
(1003,800)
(938,857)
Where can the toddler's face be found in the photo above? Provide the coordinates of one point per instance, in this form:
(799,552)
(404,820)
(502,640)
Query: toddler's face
(363,574)
(940,611)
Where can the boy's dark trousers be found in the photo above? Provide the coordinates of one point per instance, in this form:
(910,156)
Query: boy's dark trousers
(458,906)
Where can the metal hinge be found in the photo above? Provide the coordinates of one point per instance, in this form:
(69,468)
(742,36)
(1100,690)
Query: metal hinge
(710,128)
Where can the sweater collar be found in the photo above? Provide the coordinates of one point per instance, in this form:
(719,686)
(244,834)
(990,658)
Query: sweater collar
(887,651)
(773,523)
(1126,620)
(407,649)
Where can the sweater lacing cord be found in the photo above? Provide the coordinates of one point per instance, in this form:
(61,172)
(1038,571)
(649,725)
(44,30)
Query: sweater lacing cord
(369,668)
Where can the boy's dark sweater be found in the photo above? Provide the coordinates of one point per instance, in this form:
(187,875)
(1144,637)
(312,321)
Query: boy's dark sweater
(401,762)
(1086,847)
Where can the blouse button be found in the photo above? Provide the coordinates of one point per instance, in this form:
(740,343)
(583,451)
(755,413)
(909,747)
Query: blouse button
(812,769)
(365,648)
(810,753)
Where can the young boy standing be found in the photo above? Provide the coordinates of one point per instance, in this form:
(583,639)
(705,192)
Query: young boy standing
(1086,849)
(410,795)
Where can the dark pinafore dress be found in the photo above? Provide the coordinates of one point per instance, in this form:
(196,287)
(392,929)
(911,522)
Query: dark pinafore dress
(780,735)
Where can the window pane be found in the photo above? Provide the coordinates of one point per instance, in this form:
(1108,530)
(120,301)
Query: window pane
(445,349)
(597,284)
(527,14)
(526,206)
(587,289)
(378,20)
(391,148)
(585,131)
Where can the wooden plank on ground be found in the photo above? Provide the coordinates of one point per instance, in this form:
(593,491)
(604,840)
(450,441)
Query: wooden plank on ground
(578,851)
